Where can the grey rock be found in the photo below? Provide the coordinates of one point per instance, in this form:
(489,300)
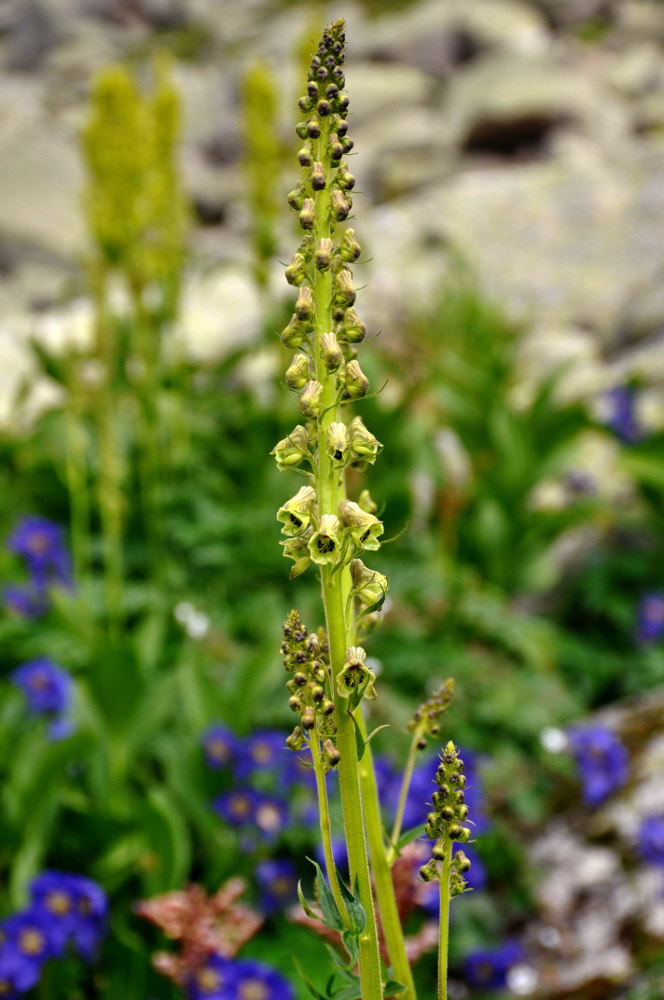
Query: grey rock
(31,34)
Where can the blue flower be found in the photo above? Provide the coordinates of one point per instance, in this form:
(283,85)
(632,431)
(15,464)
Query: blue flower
(216,980)
(256,981)
(277,879)
(264,751)
(602,760)
(24,600)
(487,968)
(622,417)
(221,747)
(41,543)
(246,807)
(46,686)
(650,618)
(28,946)
(651,840)
(53,894)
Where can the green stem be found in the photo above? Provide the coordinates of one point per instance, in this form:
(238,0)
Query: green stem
(444,923)
(403,795)
(387,903)
(77,487)
(324,812)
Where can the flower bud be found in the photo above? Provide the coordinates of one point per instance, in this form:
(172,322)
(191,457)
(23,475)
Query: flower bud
(340,205)
(308,719)
(429,872)
(317,693)
(336,441)
(296,271)
(356,383)
(295,703)
(330,753)
(344,103)
(354,329)
(313,129)
(325,543)
(305,104)
(297,373)
(290,451)
(296,197)
(366,503)
(331,352)
(363,445)
(310,400)
(369,586)
(295,514)
(304,305)
(327,706)
(308,214)
(346,143)
(301,130)
(305,158)
(461,862)
(312,89)
(438,850)
(318,177)
(300,678)
(323,255)
(349,248)
(342,288)
(294,334)
(355,676)
(323,108)
(364,528)
(336,149)
(296,739)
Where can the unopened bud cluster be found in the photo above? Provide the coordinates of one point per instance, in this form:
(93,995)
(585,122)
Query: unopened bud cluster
(305,659)
(426,721)
(445,822)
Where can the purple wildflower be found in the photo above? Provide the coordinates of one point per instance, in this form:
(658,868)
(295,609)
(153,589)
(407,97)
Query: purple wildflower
(46,686)
(245,807)
(277,880)
(264,751)
(487,968)
(622,417)
(256,981)
(41,543)
(216,980)
(75,909)
(24,600)
(650,618)
(651,840)
(28,945)
(602,760)
(221,747)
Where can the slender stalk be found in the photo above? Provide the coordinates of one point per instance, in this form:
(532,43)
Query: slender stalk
(444,924)
(77,486)
(403,795)
(324,810)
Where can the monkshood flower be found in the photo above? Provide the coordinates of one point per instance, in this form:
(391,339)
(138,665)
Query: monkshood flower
(622,417)
(74,908)
(277,880)
(24,600)
(41,543)
(487,968)
(650,618)
(651,840)
(602,760)
(221,747)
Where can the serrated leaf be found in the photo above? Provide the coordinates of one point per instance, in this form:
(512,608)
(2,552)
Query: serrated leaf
(356,912)
(331,916)
(305,906)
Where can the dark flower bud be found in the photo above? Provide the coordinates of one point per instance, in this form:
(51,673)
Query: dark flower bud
(300,678)
(318,177)
(331,754)
(301,130)
(343,290)
(320,676)
(339,207)
(296,197)
(331,352)
(447,813)
(305,158)
(460,797)
(344,103)
(432,819)
(294,334)
(321,74)
(327,707)
(332,92)
(349,248)
(315,63)
(305,104)
(312,89)
(342,128)
(462,863)
(336,149)
(296,271)
(297,373)
(304,305)
(346,144)
(429,872)
(323,256)
(313,129)
(356,383)
(462,812)
(323,108)
(308,214)
(438,851)
(338,313)
(455,832)
(338,76)
(296,739)
(295,704)
(464,835)
(317,693)
(308,718)
(310,400)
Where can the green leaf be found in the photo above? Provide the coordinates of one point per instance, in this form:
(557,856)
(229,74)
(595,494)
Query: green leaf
(410,835)
(359,738)
(305,906)
(307,982)
(331,916)
(356,912)
(392,988)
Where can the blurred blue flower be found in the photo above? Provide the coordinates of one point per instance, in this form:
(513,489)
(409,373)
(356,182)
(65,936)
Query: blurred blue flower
(256,981)
(75,909)
(602,760)
(28,946)
(221,747)
(216,980)
(41,543)
(650,618)
(651,840)
(270,815)
(24,600)
(340,855)
(47,688)
(246,807)
(622,417)
(487,968)
(264,751)
(277,880)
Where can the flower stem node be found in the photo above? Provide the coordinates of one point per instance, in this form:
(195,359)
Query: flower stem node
(356,383)
(364,528)
(364,447)
(369,586)
(295,515)
(292,450)
(330,351)
(310,400)
(355,678)
(297,373)
(337,443)
(349,248)
(324,544)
